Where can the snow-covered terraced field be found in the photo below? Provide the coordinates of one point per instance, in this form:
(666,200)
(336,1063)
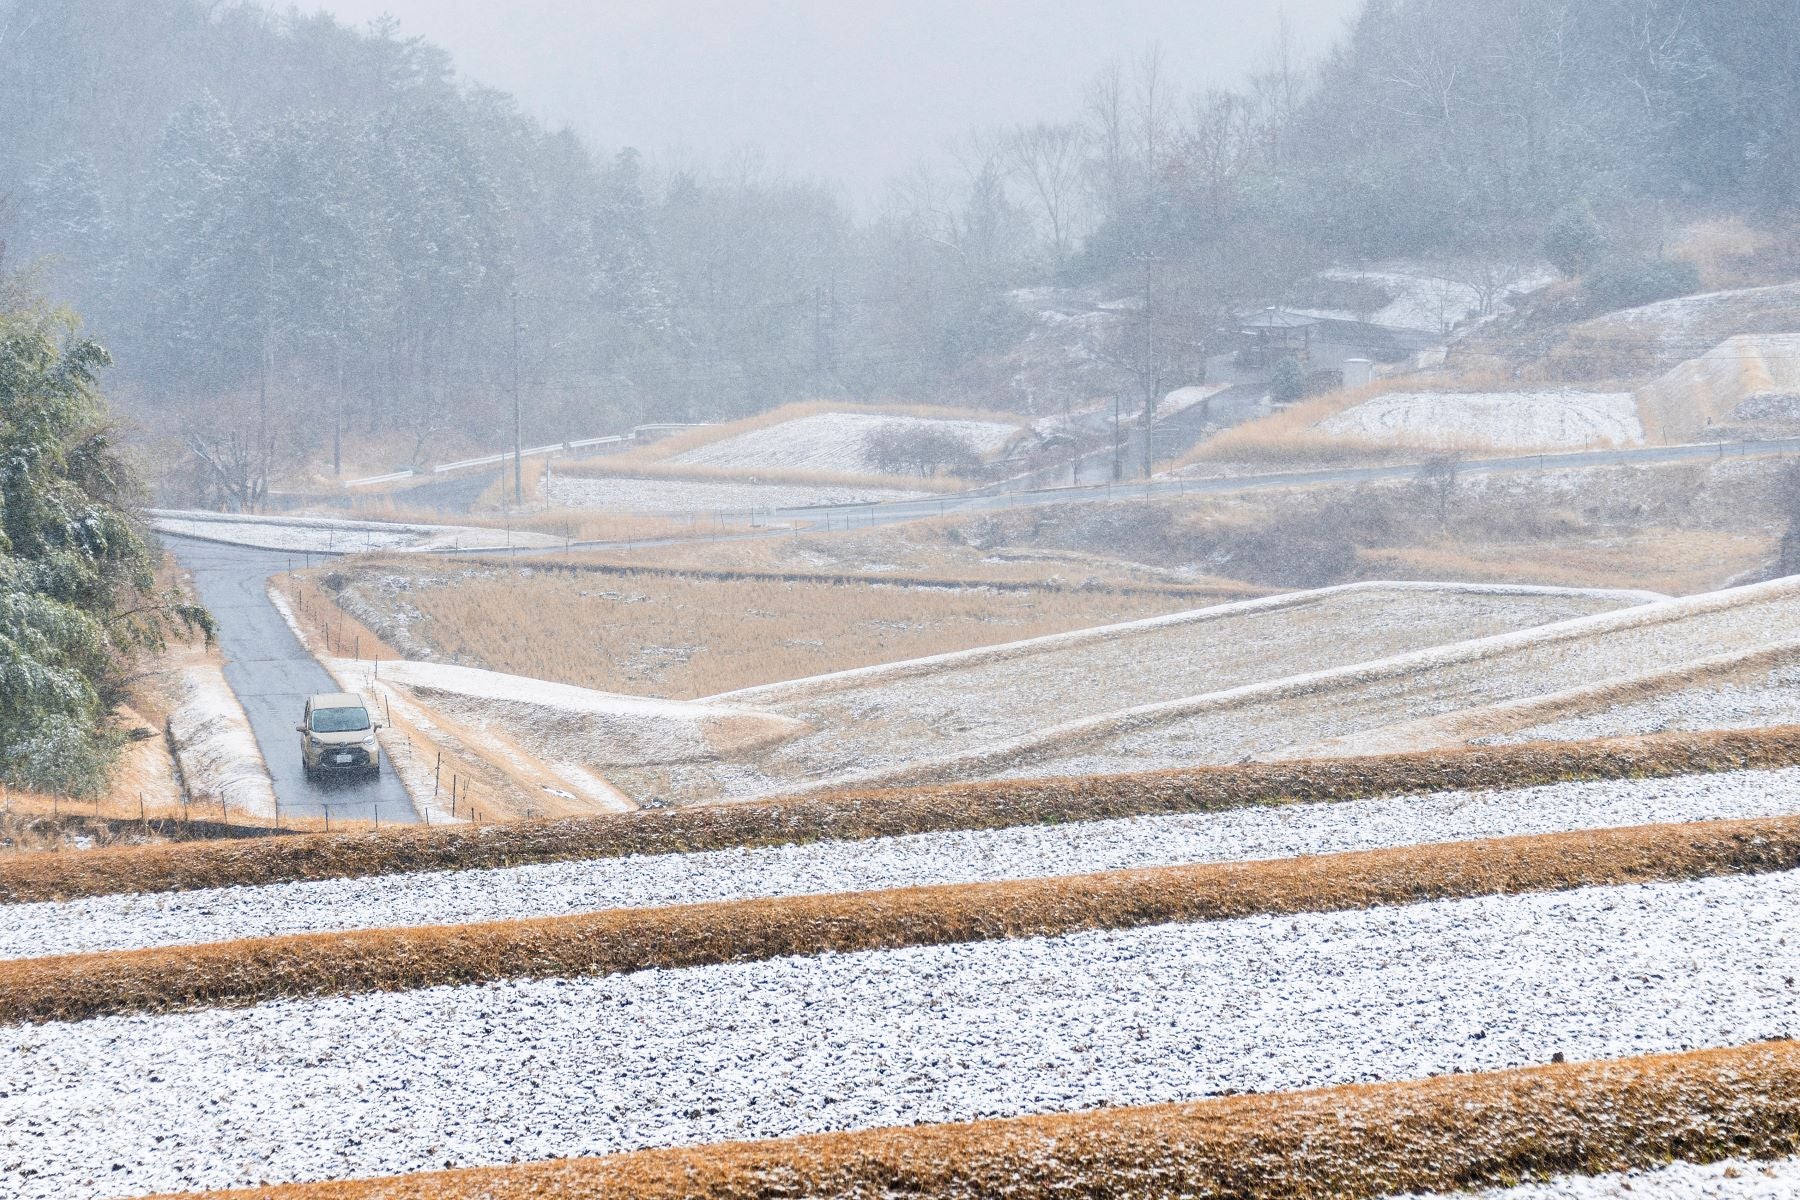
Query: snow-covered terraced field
(831,441)
(1308,711)
(656,496)
(1736,1179)
(889,717)
(379,1083)
(129,922)
(1508,420)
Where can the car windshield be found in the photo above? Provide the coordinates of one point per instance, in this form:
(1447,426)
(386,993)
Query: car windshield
(339,720)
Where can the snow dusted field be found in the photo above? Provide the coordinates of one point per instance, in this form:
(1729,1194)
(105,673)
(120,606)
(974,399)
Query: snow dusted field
(556,889)
(1326,711)
(1738,1179)
(370,1084)
(658,496)
(888,718)
(1509,420)
(831,441)
(1773,699)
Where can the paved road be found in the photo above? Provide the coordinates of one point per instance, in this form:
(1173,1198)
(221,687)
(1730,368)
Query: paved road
(272,674)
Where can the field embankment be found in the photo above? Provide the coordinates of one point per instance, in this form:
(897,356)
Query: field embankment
(853,815)
(76,987)
(1443,1134)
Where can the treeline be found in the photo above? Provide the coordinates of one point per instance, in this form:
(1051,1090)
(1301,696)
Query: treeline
(274,218)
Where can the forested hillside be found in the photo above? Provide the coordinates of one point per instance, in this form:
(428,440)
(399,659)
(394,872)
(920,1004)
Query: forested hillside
(273,220)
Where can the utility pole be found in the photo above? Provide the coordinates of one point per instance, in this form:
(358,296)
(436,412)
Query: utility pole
(518,418)
(1152,376)
(1118,466)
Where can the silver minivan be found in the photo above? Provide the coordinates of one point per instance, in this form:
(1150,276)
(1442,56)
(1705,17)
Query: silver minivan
(337,736)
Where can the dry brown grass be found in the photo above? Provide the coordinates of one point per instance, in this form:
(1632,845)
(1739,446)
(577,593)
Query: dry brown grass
(75,987)
(687,635)
(854,815)
(1676,562)
(1358,1141)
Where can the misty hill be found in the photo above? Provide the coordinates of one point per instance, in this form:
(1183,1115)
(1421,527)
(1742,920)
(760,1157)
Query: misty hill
(274,219)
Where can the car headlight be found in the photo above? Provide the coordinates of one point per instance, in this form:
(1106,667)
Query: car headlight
(315,741)
(369,741)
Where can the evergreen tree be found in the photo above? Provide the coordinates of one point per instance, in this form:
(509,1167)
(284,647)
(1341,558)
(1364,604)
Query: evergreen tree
(77,595)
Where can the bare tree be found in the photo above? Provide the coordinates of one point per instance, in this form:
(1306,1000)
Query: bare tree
(1049,160)
(1106,119)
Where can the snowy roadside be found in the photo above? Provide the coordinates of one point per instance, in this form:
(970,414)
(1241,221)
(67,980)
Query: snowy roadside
(325,535)
(1734,1179)
(125,922)
(215,746)
(539,1069)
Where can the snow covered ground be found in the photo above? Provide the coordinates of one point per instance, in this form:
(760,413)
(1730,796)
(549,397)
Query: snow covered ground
(214,743)
(1425,301)
(1507,420)
(330,536)
(661,496)
(1772,699)
(555,889)
(832,441)
(879,720)
(370,1084)
(1735,1179)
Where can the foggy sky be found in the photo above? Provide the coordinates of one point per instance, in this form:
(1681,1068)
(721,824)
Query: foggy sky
(853,91)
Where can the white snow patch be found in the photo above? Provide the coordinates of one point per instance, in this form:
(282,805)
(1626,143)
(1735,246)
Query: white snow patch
(578,725)
(832,441)
(214,743)
(1734,1179)
(539,1069)
(1509,420)
(132,922)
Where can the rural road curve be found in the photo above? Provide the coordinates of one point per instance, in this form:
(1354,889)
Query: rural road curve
(272,674)
(823,518)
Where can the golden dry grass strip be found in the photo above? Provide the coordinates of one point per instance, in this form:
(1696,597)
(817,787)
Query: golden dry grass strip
(1357,1141)
(78,986)
(855,815)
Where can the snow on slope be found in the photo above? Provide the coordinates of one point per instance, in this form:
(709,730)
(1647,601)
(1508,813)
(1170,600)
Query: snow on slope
(565,723)
(831,441)
(215,745)
(1735,1179)
(1282,717)
(878,720)
(1504,420)
(371,1084)
(1671,331)
(1710,389)
(1036,851)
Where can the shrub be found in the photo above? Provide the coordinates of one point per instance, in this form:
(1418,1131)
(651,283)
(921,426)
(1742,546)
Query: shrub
(1287,382)
(1628,283)
(898,447)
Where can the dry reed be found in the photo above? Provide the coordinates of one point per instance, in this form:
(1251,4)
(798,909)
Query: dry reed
(856,815)
(75,987)
(1357,1141)
(689,634)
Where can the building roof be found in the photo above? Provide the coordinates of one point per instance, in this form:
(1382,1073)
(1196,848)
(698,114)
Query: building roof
(1275,318)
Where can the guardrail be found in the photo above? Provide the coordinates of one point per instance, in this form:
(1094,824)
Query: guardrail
(390,477)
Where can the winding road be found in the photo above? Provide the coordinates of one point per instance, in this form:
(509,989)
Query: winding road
(272,674)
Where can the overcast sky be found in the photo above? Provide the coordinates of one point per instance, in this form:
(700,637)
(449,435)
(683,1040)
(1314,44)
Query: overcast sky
(848,90)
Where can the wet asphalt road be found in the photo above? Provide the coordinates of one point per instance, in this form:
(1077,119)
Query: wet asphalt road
(272,674)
